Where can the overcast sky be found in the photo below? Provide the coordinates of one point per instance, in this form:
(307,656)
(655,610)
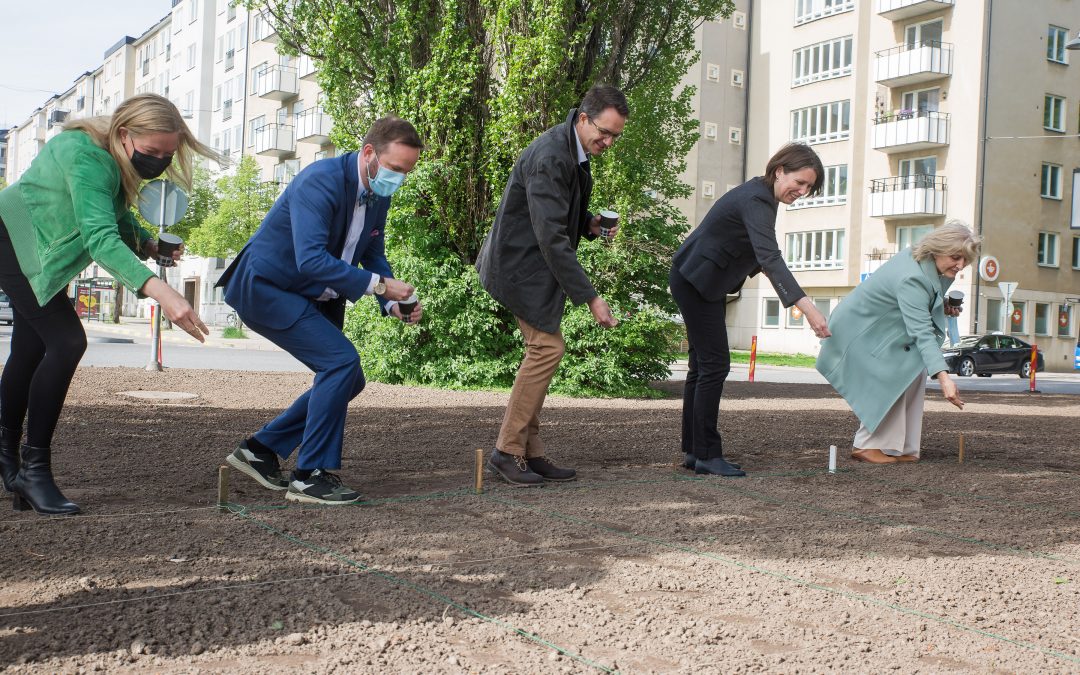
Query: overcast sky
(45,45)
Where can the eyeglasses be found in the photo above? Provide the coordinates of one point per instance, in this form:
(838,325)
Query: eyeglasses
(604,133)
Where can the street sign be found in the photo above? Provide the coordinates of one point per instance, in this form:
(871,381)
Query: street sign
(162,203)
(1007,289)
(989,268)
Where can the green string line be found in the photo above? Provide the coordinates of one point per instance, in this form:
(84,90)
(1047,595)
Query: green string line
(242,512)
(875,520)
(786,577)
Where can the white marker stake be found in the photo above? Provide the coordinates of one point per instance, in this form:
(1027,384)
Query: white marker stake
(832,459)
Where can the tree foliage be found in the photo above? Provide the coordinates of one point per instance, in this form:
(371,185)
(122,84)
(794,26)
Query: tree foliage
(481,79)
(234,211)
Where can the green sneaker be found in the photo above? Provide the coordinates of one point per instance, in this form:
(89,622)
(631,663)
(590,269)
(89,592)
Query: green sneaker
(263,468)
(321,487)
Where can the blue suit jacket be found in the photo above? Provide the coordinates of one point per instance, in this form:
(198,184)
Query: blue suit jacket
(295,254)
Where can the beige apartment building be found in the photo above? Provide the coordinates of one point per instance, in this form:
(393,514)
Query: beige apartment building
(922,111)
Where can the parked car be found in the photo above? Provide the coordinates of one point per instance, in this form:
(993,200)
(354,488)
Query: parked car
(984,355)
(5,310)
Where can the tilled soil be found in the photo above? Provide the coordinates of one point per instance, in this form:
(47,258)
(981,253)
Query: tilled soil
(639,566)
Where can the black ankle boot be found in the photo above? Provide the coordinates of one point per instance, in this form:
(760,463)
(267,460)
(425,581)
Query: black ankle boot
(9,455)
(35,488)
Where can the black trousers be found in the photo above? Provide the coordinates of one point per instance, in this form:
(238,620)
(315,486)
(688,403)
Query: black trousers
(46,346)
(710,363)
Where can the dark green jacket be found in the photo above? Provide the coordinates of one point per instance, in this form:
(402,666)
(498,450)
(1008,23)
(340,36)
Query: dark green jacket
(67,210)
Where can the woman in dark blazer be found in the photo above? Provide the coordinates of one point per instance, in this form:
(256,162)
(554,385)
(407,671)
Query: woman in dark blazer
(736,240)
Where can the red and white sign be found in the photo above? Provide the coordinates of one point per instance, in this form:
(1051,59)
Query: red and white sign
(989,268)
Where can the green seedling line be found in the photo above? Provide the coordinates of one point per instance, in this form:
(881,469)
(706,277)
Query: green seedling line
(876,520)
(870,600)
(242,512)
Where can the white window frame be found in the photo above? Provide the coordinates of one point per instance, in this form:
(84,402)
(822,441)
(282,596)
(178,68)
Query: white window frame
(734,135)
(1047,307)
(1022,306)
(993,314)
(909,235)
(712,72)
(812,10)
(1056,37)
(712,131)
(1076,253)
(1050,182)
(913,33)
(821,61)
(766,306)
(815,250)
(834,190)
(1066,330)
(708,189)
(823,123)
(738,20)
(1046,254)
(1054,112)
(738,78)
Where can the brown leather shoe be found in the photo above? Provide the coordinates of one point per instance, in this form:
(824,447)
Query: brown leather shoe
(907,458)
(872,456)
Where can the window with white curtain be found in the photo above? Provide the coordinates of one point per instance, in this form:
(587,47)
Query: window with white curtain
(821,123)
(816,250)
(821,61)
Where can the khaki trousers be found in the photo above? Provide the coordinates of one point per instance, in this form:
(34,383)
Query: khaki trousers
(520,432)
(900,432)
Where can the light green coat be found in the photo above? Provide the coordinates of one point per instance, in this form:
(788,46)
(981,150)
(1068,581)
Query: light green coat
(68,209)
(884,333)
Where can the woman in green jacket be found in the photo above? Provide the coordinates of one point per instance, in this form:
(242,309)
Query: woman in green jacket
(71,207)
(886,338)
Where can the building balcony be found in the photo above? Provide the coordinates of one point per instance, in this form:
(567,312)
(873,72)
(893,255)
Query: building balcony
(897,10)
(275,140)
(306,66)
(911,130)
(916,196)
(277,83)
(905,65)
(313,126)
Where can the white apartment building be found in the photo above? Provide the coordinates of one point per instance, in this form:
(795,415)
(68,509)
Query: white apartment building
(907,143)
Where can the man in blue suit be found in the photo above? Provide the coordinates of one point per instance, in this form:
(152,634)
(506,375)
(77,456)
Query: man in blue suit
(290,284)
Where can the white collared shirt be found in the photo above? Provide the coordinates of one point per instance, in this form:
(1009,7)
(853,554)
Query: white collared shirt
(582,156)
(352,238)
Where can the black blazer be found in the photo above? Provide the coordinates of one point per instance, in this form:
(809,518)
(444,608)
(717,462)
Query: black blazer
(529,258)
(736,240)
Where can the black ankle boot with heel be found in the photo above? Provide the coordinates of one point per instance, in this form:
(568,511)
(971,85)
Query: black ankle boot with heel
(35,488)
(9,455)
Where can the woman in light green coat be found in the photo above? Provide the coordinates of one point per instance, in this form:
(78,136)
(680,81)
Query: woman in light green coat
(886,339)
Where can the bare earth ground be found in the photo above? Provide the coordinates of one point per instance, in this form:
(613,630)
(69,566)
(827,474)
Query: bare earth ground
(637,567)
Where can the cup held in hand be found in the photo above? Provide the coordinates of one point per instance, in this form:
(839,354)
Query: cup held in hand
(407,305)
(954,298)
(608,220)
(167,244)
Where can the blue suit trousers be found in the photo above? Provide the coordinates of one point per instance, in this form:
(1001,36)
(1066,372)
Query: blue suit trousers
(315,422)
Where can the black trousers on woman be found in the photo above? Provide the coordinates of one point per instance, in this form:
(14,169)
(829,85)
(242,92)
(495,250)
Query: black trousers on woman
(46,346)
(710,363)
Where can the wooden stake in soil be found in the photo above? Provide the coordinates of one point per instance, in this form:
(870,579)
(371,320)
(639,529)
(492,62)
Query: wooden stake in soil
(479,471)
(960,459)
(223,488)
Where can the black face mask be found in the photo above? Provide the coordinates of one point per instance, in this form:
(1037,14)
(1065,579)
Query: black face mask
(149,166)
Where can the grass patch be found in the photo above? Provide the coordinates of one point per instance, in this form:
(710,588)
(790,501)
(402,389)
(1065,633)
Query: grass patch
(770,359)
(233,333)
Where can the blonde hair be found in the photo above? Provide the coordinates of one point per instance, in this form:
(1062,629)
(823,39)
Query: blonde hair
(145,114)
(952,238)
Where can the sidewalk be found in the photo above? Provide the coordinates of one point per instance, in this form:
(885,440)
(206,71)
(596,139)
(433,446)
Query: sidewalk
(139,328)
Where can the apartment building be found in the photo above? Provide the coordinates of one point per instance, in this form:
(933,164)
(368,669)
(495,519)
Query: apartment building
(3,155)
(907,144)
(716,162)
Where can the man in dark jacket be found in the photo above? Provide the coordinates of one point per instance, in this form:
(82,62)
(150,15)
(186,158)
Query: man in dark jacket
(529,264)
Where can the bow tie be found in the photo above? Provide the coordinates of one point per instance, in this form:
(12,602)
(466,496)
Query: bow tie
(368,198)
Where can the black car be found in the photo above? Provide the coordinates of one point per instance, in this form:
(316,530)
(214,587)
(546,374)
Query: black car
(984,355)
(6,315)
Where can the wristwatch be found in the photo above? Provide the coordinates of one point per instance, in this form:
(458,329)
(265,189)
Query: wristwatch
(380,286)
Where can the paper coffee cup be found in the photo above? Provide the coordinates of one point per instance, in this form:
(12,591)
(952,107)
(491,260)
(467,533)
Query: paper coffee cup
(955,298)
(608,220)
(408,305)
(167,244)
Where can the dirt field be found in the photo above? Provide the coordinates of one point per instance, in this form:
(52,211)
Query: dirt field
(637,567)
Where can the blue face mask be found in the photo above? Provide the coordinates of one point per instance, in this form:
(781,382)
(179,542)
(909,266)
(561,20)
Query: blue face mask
(385,182)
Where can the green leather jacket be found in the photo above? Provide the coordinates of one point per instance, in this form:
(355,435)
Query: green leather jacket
(68,209)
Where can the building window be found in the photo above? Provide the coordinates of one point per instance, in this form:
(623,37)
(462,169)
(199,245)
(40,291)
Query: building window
(734,135)
(810,10)
(821,123)
(191,57)
(1042,318)
(771,318)
(795,317)
(712,72)
(193,11)
(910,235)
(818,250)
(737,78)
(1016,318)
(1048,244)
(708,189)
(1056,37)
(1076,253)
(1064,321)
(993,315)
(821,61)
(824,305)
(1051,181)
(711,131)
(834,190)
(738,20)
(1053,113)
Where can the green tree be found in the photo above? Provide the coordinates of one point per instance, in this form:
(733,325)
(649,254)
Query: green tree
(234,213)
(481,79)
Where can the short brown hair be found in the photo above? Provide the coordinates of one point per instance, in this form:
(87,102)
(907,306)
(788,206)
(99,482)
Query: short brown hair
(600,97)
(792,157)
(392,129)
